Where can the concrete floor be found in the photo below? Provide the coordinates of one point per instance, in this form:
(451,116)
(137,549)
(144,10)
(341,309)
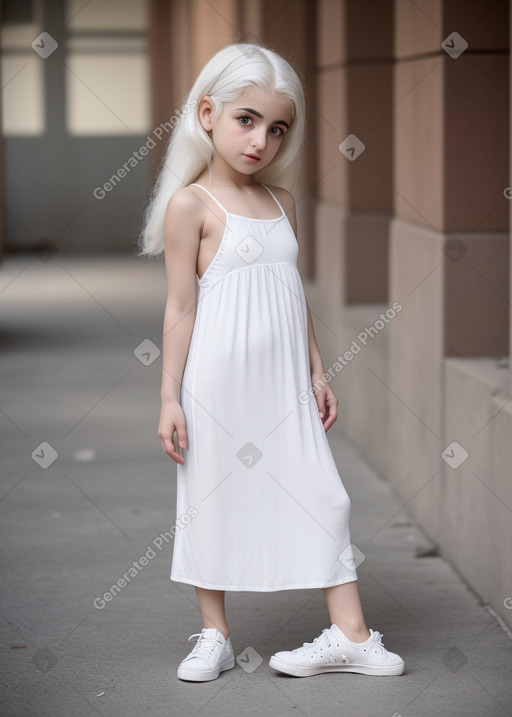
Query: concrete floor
(70,378)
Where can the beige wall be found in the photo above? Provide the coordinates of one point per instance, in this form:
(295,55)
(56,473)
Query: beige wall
(423,206)
(418,220)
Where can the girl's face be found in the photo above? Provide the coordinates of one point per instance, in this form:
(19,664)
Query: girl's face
(251,127)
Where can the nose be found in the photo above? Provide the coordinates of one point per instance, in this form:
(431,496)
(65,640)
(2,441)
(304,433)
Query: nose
(259,139)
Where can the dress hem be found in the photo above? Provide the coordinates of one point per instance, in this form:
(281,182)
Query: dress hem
(243,588)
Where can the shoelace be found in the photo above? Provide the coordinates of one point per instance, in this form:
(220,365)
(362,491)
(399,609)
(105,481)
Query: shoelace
(378,643)
(328,636)
(378,637)
(205,643)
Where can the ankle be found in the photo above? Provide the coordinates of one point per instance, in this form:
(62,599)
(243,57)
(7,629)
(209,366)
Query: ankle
(224,631)
(354,634)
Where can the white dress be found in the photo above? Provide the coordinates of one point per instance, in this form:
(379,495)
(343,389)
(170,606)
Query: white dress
(260,503)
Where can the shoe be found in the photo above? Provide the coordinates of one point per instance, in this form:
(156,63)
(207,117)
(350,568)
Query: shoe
(211,654)
(332,651)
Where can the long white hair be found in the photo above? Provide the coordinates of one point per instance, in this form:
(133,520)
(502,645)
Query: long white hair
(231,73)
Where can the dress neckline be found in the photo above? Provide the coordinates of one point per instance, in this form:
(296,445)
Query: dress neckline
(254,219)
(243,216)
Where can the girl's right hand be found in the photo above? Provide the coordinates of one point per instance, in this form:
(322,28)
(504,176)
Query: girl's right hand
(172,419)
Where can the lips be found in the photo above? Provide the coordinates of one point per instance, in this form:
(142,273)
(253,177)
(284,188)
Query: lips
(253,156)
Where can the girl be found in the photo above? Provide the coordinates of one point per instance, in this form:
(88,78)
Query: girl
(259,498)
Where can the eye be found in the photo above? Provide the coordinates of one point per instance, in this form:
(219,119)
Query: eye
(281,132)
(245,117)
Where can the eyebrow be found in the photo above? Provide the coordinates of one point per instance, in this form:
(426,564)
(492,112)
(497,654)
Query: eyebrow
(258,114)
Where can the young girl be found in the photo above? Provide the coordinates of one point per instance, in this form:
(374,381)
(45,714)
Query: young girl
(259,498)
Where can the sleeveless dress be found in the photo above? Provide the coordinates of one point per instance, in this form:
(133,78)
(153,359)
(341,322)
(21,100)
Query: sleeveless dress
(260,503)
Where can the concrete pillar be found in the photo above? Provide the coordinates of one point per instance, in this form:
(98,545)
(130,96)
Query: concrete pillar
(354,210)
(449,259)
(355,182)
(213,25)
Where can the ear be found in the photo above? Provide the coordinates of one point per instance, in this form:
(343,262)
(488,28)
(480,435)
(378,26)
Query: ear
(205,112)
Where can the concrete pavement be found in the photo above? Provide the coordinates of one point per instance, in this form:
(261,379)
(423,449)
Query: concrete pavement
(73,526)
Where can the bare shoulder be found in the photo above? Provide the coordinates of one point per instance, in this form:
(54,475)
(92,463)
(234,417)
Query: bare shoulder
(287,201)
(184,202)
(182,229)
(184,219)
(285,197)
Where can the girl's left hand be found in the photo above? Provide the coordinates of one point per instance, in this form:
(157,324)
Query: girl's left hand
(327,406)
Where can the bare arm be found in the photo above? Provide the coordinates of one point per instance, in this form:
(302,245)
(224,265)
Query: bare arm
(182,235)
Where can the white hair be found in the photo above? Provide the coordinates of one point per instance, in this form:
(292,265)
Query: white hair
(231,73)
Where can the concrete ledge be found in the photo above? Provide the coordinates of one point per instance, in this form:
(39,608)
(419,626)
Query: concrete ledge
(475,530)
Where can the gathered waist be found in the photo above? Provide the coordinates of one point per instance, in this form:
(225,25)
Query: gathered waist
(241,269)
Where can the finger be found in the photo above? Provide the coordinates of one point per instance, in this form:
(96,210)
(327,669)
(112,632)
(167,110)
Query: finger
(170,450)
(331,416)
(177,449)
(182,436)
(332,406)
(328,423)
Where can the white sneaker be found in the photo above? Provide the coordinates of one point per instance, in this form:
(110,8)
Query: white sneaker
(211,655)
(332,651)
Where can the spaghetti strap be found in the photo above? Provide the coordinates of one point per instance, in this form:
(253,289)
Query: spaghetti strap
(211,195)
(194,184)
(275,198)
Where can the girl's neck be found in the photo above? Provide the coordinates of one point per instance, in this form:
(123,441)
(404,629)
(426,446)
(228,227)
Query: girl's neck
(226,177)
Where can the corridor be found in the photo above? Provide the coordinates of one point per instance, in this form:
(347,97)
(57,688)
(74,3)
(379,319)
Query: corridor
(81,372)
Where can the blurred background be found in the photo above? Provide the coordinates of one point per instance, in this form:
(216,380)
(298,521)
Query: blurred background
(403,211)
